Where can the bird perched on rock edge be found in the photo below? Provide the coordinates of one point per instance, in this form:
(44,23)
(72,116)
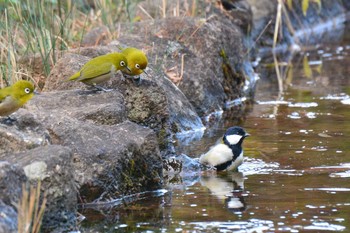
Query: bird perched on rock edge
(15,96)
(228,154)
(101,69)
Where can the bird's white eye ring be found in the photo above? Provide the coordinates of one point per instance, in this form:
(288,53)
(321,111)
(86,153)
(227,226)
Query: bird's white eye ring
(137,66)
(122,63)
(27,90)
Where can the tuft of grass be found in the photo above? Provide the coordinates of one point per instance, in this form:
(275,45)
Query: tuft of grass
(30,210)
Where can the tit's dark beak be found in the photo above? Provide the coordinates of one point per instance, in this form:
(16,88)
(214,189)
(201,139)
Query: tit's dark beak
(246,135)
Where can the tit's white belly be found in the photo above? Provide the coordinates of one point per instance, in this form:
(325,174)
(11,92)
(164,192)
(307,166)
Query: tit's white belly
(237,162)
(220,154)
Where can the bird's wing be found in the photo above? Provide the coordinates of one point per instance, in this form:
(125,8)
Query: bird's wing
(94,71)
(3,94)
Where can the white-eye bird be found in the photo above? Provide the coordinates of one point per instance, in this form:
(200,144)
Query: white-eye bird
(228,154)
(15,96)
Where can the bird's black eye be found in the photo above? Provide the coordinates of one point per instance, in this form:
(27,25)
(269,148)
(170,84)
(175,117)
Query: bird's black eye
(27,90)
(122,63)
(137,66)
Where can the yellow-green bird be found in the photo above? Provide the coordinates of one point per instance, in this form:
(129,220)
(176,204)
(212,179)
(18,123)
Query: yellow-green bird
(15,96)
(101,69)
(137,61)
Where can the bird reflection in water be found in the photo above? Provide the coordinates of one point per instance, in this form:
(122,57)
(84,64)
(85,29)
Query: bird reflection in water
(228,188)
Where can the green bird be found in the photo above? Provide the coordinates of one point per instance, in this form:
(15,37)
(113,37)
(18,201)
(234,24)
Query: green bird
(101,69)
(15,96)
(137,61)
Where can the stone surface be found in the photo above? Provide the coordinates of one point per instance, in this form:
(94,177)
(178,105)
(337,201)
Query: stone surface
(14,175)
(8,220)
(12,178)
(52,165)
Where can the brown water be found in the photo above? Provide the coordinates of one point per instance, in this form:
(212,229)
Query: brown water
(296,176)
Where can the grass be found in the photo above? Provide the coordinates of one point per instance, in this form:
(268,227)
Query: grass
(35,33)
(30,210)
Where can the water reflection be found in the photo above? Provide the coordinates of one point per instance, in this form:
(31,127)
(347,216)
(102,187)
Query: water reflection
(227,188)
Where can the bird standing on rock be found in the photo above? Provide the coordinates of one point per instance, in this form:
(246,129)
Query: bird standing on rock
(228,154)
(101,69)
(15,96)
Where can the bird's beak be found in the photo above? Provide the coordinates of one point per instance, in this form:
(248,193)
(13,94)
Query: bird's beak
(144,71)
(36,92)
(246,135)
(127,67)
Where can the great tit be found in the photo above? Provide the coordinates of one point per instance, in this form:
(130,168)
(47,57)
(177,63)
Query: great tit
(228,154)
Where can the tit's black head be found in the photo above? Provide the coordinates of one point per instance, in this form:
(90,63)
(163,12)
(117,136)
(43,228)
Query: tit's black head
(235,135)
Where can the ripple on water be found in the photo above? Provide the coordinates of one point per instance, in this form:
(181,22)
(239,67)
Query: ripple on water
(253,166)
(303,105)
(252,225)
(324,226)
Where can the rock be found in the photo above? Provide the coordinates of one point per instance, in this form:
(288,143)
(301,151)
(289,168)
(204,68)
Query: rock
(104,142)
(96,36)
(12,178)
(14,175)
(183,116)
(8,220)
(187,50)
(52,165)
(155,103)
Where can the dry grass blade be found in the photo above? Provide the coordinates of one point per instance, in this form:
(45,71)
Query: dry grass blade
(275,37)
(30,211)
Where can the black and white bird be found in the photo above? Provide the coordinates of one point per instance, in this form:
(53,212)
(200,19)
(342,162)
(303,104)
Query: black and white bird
(228,154)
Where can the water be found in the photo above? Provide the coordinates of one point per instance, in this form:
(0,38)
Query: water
(295,177)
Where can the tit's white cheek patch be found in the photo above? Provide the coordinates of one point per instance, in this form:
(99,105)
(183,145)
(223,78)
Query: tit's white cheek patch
(233,139)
